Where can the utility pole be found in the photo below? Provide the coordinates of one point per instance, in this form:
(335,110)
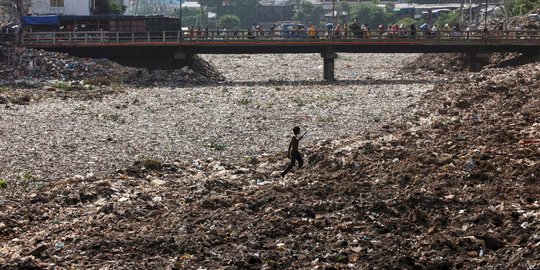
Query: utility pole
(485,15)
(333,17)
(180,17)
(461,15)
(19,7)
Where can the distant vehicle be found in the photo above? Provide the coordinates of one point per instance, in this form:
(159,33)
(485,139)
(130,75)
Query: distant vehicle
(293,30)
(534,17)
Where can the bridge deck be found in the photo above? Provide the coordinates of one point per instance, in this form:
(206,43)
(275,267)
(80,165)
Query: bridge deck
(169,50)
(231,42)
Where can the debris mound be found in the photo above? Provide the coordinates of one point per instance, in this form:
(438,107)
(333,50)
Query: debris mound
(439,63)
(447,64)
(203,67)
(35,68)
(457,62)
(455,185)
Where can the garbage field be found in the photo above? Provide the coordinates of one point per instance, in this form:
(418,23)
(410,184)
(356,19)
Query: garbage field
(446,180)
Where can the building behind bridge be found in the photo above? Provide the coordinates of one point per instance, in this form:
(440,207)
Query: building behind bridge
(71,7)
(269,12)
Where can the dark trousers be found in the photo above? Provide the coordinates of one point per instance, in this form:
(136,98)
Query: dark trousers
(295,156)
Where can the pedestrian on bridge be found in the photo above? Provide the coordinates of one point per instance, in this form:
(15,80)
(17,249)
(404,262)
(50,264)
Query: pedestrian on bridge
(312,33)
(191,30)
(235,32)
(272,31)
(355,29)
(252,31)
(434,30)
(337,31)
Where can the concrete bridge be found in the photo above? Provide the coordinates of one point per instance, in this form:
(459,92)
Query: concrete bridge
(169,50)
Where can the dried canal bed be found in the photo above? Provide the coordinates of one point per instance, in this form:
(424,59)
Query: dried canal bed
(249,115)
(309,67)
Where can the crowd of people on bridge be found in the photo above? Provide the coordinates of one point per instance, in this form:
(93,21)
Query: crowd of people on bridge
(353,30)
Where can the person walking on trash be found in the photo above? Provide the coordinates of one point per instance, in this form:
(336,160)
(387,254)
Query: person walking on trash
(293,152)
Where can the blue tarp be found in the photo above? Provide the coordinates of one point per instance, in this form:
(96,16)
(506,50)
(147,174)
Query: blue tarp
(41,20)
(54,20)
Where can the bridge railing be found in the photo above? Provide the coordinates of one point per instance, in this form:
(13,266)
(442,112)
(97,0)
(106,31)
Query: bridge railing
(105,37)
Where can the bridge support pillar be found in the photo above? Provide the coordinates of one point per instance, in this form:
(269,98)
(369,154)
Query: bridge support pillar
(183,59)
(328,65)
(471,61)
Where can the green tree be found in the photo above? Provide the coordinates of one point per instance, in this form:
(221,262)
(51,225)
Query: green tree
(370,14)
(109,7)
(205,6)
(389,7)
(450,18)
(190,16)
(246,10)
(407,21)
(307,12)
(210,3)
(191,20)
(228,21)
(343,9)
(522,7)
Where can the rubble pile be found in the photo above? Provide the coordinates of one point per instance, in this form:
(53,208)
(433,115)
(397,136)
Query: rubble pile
(520,22)
(456,64)
(454,186)
(32,68)
(437,64)
(243,117)
(35,67)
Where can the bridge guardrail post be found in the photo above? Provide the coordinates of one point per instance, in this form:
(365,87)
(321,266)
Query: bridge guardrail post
(163,36)
(148,36)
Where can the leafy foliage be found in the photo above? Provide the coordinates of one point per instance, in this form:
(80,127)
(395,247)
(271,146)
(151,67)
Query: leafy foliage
(228,21)
(245,10)
(522,7)
(447,18)
(218,146)
(343,8)
(190,16)
(109,7)
(371,14)
(210,3)
(408,21)
(307,12)
(3,183)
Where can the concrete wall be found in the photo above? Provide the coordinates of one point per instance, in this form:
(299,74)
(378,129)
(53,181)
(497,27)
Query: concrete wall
(71,7)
